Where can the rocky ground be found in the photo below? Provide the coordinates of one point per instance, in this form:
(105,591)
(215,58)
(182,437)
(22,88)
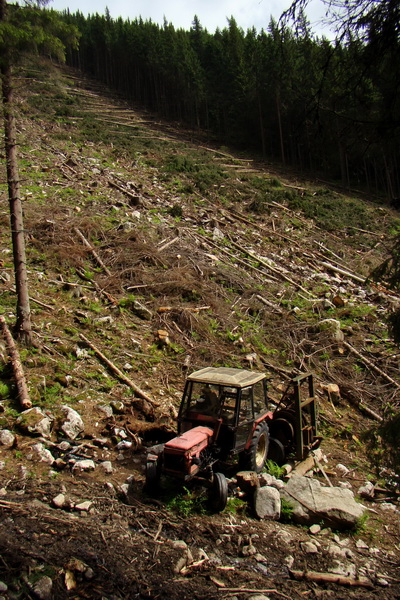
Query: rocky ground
(197,257)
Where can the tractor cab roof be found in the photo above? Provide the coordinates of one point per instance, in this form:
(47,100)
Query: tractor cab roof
(226,376)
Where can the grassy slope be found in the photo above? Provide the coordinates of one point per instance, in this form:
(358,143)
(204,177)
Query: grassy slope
(239,231)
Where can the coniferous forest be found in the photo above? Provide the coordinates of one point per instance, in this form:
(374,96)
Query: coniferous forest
(328,109)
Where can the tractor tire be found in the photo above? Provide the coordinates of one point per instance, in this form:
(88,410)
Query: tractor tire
(253,459)
(153,475)
(218,493)
(276,451)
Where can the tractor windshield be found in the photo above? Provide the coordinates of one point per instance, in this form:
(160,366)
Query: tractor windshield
(204,399)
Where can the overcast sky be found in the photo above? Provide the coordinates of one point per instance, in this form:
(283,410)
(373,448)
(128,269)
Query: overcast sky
(212,13)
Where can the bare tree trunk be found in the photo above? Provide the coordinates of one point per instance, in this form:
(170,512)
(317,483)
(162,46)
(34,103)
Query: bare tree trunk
(278,110)
(23,324)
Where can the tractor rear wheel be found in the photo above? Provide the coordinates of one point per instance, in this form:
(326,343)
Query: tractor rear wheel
(253,459)
(218,492)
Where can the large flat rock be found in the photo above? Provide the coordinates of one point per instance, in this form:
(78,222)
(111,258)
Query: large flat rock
(313,503)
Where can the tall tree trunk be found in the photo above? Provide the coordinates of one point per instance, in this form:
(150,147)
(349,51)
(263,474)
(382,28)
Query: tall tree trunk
(23,330)
(278,110)
(261,123)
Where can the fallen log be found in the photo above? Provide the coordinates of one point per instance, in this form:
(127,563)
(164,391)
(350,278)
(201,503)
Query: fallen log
(370,364)
(331,578)
(118,372)
(19,376)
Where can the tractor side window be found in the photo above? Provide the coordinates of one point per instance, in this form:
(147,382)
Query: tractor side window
(246,412)
(229,405)
(259,398)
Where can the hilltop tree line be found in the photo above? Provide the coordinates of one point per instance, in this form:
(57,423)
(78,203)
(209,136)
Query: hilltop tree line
(327,108)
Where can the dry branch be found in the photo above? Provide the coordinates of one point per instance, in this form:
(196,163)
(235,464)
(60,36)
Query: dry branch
(235,258)
(134,197)
(371,364)
(253,591)
(331,578)
(93,251)
(275,307)
(19,376)
(118,372)
(167,244)
(343,272)
(268,266)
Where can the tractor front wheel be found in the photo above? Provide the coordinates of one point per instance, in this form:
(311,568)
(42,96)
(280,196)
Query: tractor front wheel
(152,475)
(253,459)
(218,492)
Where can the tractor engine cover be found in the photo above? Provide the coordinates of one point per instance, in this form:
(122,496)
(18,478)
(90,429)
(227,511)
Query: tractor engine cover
(182,453)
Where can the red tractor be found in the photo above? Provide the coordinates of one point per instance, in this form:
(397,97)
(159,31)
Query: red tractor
(224,414)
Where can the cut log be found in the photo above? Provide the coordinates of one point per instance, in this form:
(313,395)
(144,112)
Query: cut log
(19,376)
(331,578)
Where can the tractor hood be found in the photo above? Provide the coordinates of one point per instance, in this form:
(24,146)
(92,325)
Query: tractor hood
(193,440)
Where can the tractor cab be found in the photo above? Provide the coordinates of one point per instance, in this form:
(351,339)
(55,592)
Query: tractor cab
(227,400)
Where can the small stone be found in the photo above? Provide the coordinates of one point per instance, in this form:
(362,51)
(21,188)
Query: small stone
(106,409)
(64,446)
(42,588)
(361,545)
(89,573)
(315,529)
(345,485)
(59,501)
(260,558)
(284,537)
(84,506)
(124,445)
(342,469)
(43,454)
(23,472)
(73,424)
(258,597)
(182,562)
(267,503)
(7,438)
(337,552)
(34,421)
(289,561)
(107,466)
(343,569)
(2,465)
(309,547)
(367,490)
(179,545)
(124,489)
(83,465)
(117,406)
(3,492)
(249,550)
(3,587)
